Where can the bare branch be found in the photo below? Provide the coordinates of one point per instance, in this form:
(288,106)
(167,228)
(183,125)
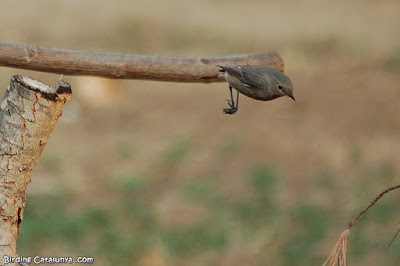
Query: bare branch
(28,114)
(127,66)
(355,219)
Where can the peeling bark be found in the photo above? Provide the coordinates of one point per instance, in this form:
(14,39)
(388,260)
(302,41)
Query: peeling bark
(28,114)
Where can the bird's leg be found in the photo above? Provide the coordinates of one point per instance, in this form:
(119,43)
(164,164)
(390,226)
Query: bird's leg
(231,103)
(237,100)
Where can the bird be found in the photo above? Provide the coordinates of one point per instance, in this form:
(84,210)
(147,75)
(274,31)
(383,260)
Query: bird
(259,82)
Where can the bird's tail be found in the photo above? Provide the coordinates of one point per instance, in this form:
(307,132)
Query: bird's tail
(221,73)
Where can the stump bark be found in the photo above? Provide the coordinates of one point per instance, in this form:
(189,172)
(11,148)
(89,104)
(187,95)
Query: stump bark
(28,114)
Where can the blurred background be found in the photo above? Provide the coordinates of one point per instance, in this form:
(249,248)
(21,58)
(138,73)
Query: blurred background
(153,173)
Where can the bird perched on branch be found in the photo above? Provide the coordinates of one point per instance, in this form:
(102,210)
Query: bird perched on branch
(258,82)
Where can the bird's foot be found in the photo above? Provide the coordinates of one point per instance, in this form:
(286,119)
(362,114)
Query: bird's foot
(230,111)
(233,108)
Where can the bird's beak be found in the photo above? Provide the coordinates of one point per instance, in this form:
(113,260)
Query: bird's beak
(291,96)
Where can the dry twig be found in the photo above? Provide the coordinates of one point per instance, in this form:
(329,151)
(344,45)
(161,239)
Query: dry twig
(338,256)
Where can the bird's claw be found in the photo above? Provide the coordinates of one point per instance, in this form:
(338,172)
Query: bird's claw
(230,111)
(233,108)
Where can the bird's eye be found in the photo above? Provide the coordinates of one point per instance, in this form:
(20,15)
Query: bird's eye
(280,87)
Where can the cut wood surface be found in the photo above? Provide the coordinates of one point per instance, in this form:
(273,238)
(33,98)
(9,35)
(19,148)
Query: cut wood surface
(127,66)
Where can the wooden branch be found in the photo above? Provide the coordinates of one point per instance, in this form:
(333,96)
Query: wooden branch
(127,66)
(28,113)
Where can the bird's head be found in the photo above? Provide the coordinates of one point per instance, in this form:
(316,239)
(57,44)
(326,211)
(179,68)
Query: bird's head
(285,90)
(280,84)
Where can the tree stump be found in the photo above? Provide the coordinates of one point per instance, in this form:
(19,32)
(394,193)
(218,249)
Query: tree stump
(28,114)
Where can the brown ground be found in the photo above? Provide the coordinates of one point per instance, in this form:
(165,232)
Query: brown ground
(343,58)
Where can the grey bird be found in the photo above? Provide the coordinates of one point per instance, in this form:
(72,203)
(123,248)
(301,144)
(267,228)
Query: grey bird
(255,81)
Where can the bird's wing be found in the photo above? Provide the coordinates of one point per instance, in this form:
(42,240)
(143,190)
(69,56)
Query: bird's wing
(249,78)
(252,79)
